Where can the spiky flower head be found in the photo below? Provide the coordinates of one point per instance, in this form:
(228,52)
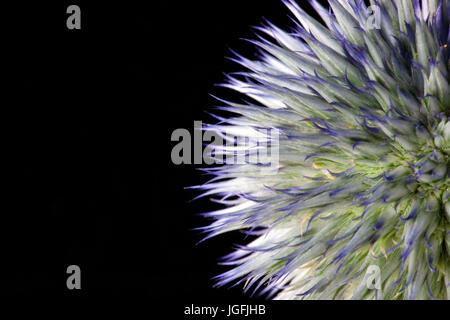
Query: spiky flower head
(362,115)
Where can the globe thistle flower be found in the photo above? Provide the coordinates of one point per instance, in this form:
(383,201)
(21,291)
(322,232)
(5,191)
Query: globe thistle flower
(361,113)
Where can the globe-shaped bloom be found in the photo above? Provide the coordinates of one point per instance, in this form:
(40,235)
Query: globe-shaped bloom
(357,108)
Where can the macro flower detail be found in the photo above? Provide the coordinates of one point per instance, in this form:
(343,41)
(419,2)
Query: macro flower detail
(362,116)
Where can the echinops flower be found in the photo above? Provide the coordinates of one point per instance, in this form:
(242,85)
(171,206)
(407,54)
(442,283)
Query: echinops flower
(360,104)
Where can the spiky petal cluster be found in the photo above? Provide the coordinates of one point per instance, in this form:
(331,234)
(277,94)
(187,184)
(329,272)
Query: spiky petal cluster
(364,154)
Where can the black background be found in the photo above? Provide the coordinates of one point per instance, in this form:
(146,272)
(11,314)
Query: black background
(89,178)
(87,173)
